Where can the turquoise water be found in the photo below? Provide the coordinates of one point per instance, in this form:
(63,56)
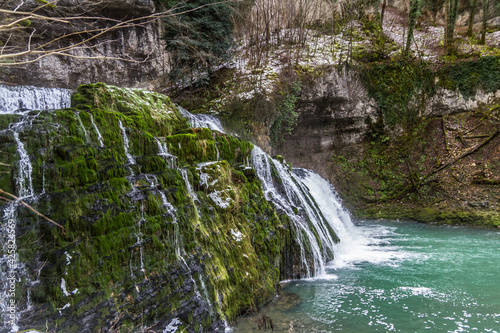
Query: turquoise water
(406,277)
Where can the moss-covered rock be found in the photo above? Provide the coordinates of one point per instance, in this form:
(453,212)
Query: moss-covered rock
(146,240)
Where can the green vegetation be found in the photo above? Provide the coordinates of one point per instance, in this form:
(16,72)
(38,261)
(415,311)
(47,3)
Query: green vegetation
(400,89)
(442,171)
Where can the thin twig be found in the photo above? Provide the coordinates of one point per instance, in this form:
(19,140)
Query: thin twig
(34,210)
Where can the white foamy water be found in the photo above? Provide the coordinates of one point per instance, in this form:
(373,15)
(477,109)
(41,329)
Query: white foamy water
(202,120)
(24,98)
(357,244)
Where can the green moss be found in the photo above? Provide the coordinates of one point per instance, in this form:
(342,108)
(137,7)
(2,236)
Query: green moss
(469,76)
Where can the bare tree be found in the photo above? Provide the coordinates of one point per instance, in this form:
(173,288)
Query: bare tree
(451,9)
(471,17)
(485,19)
(31,34)
(415,8)
(384,4)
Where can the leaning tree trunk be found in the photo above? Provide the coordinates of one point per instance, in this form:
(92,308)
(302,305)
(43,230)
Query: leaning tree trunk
(451,7)
(471,17)
(485,18)
(384,4)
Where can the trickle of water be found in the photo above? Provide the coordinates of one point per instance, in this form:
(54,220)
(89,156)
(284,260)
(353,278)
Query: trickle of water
(130,159)
(196,290)
(217,151)
(99,136)
(83,127)
(24,180)
(207,297)
(140,240)
(163,152)
(188,185)
(153,182)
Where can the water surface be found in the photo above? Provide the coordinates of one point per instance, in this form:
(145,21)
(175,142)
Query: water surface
(398,277)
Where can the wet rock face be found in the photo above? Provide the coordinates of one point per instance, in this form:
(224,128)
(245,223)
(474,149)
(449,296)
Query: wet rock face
(132,57)
(333,112)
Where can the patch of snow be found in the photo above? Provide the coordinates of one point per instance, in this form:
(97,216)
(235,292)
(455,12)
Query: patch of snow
(68,258)
(63,287)
(172,326)
(216,198)
(237,235)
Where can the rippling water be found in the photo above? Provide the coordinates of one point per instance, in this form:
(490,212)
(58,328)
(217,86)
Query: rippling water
(399,277)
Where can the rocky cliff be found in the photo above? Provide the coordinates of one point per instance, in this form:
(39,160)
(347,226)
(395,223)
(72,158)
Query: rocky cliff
(107,50)
(344,134)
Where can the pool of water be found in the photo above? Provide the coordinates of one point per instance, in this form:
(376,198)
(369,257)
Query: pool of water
(398,277)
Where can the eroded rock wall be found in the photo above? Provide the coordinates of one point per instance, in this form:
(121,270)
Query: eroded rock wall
(334,112)
(129,56)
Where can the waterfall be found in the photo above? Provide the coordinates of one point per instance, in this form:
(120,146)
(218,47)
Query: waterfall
(324,228)
(24,98)
(310,202)
(312,205)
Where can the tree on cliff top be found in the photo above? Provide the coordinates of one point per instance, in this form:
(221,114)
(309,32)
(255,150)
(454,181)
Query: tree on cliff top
(197,39)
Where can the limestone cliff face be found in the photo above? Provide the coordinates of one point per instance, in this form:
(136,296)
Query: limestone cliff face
(334,112)
(132,56)
(447,102)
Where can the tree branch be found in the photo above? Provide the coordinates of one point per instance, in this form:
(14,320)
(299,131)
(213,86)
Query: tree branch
(32,209)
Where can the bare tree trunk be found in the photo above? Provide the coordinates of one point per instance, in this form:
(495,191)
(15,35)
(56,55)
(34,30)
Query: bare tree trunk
(451,18)
(446,22)
(471,17)
(384,4)
(414,12)
(485,19)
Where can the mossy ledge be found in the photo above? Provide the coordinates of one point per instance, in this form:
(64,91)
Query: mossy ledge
(140,251)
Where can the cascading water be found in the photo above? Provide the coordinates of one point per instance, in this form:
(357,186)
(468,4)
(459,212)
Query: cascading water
(163,152)
(15,100)
(202,120)
(308,200)
(24,98)
(325,231)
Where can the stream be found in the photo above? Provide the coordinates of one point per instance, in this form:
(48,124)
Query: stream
(411,278)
